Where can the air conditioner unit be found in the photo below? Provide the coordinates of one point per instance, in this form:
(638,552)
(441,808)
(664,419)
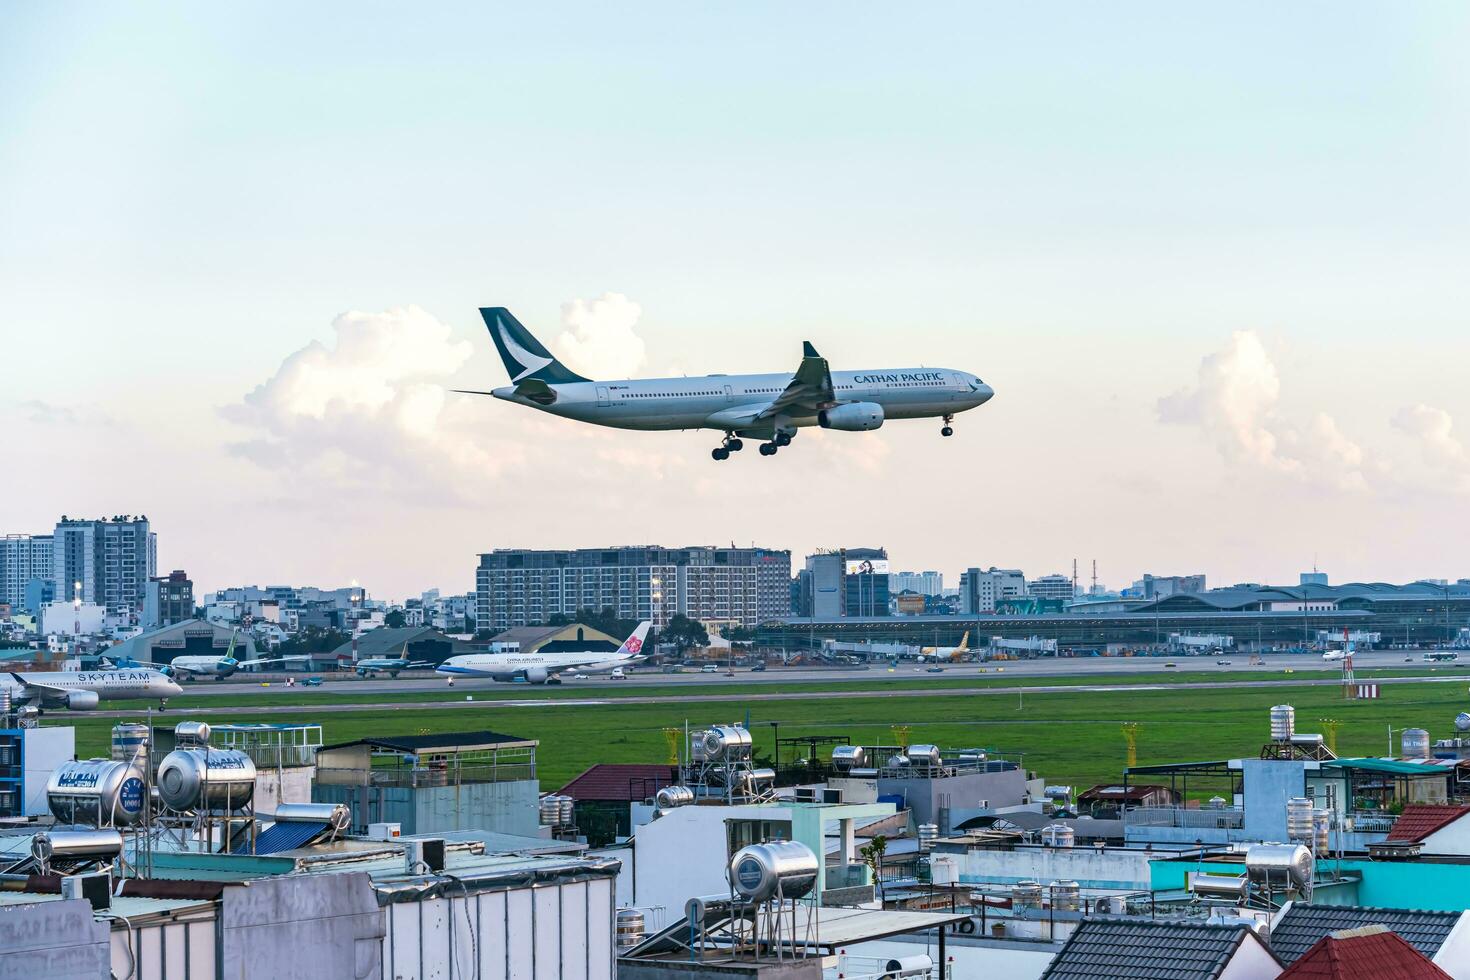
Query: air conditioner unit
(806,794)
(384,831)
(831,796)
(95,888)
(423,855)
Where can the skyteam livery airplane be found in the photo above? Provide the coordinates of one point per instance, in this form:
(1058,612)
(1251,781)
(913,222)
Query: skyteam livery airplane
(743,406)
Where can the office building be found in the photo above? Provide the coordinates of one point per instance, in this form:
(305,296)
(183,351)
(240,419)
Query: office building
(924,583)
(23,557)
(169,599)
(524,587)
(846,582)
(1160,586)
(1051,587)
(111,558)
(981,589)
(1313,577)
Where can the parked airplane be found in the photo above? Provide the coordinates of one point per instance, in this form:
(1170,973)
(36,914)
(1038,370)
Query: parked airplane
(950,653)
(205,666)
(374,666)
(743,406)
(541,668)
(82,690)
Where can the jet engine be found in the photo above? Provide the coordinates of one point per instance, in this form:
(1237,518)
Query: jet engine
(852,417)
(535,675)
(81,700)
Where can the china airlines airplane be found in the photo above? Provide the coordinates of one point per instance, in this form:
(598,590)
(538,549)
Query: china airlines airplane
(541,668)
(770,407)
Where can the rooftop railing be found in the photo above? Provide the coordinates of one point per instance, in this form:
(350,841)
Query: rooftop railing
(1228,818)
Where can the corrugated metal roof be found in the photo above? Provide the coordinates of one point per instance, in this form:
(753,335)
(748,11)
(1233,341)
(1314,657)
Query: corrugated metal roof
(1302,926)
(460,741)
(1143,949)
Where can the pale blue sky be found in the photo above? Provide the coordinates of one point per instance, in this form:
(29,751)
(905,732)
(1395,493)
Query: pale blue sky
(1078,202)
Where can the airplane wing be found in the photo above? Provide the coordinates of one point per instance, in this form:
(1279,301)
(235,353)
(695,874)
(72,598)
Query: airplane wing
(259,660)
(172,668)
(418,663)
(810,389)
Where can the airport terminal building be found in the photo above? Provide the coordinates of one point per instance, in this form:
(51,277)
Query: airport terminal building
(1419,614)
(522,587)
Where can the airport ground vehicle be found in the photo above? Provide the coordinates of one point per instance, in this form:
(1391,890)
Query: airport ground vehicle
(312,682)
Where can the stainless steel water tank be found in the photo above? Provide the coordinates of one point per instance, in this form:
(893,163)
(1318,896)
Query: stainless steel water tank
(1026,895)
(130,743)
(191,734)
(727,743)
(924,756)
(1321,831)
(96,792)
(550,810)
(1462,721)
(1066,895)
(1220,886)
(1414,743)
(568,811)
(1299,819)
(1283,722)
(761,871)
(674,796)
(1058,835)
(334,815)
(76,843)
(206,779)
(630,929)
(847,757)
(927,834)
(1279,866)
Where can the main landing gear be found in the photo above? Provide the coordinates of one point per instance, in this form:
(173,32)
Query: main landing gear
(948,429)
(731,445)
(163,704)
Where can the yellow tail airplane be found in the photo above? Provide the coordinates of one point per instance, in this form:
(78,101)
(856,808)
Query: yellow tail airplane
(955,653)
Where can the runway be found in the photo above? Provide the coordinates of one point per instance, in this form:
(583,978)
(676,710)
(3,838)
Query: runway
(420,681)
(702,688)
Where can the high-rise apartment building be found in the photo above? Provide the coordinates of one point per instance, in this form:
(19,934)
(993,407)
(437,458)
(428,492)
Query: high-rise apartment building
(523,587)
(1051,587)
(846,582)
(924,583)
(23,557)
(110,561)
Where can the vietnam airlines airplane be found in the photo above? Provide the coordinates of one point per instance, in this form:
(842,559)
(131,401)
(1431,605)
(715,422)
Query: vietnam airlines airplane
(540,668)
(82,690)
(770,407)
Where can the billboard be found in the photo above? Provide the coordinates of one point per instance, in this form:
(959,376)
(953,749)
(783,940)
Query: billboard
(877,566)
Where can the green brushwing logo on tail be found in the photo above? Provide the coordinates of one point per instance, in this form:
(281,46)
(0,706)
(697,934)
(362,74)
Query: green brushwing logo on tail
(524,356)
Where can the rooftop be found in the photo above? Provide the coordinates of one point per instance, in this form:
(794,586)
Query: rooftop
(1147,949)
(1301,926)
(620,782)
(1420,820)
(1370,953)
(447,741)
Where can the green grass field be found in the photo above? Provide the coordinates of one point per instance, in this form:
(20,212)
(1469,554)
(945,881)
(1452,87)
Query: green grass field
(1067,737)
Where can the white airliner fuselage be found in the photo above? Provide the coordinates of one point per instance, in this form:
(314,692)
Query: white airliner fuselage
(743,406)
(83,689)
(726,401)
(538,668)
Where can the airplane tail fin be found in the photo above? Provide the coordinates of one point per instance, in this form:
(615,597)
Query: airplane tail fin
(634,644)
(524,356)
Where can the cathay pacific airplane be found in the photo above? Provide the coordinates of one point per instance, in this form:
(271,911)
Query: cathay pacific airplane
(541,668)
(770,407)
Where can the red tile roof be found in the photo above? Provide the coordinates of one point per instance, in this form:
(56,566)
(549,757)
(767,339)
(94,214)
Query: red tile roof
(620,782)
(1420,820)
(1370,953)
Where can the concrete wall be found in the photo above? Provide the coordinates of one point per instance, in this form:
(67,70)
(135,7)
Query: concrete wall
(284,785)
(1267,784)
(506,808)
(55,940)
(964,792)
(1251,961)
(669,970)
(973,957)
(302,927)
(166,950)
(1123,870)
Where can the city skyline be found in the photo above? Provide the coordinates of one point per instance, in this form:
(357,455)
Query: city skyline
(1222,309)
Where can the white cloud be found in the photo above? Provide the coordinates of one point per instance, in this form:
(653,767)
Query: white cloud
(599,340)
(1433,428)
(369,411)
(1234,401)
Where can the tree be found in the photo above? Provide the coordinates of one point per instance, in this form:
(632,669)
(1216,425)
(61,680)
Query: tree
(395,619)
(684,633)
(313,639)
(872,855)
